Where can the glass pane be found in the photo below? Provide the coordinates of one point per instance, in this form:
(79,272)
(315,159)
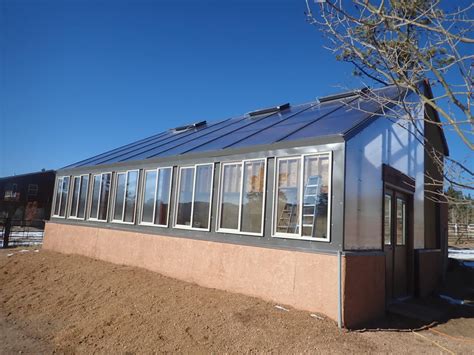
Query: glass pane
(119,195)
(163,196)
(64,195)
(401,222)
(104,196)
(230,200)
(315,196)
(287,211)
(95,197)
(185,196)
(75,196)
(387,227)
(149,196)
(202,196)
(130,196)
(58,196)
(83,197)
(252,196)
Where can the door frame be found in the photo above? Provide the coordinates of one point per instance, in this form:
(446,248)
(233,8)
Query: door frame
(396,181)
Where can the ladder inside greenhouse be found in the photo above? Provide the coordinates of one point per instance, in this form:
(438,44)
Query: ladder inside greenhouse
(310,202)
(287,222)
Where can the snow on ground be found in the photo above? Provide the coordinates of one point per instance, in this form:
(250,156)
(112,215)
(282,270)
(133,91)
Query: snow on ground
(461,254)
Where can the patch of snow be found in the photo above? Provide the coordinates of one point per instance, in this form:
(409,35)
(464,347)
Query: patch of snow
(316,316)
(11,254)
(454,300)
(26,234)
(461,254)
(282,308)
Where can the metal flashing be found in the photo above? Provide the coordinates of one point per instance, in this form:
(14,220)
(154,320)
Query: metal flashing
(269,110)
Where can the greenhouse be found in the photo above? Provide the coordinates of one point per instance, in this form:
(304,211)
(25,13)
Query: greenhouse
(320,206)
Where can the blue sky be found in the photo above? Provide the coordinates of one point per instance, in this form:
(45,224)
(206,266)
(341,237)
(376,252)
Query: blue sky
(81,77)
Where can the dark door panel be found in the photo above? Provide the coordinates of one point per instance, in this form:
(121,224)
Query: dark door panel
(396,238)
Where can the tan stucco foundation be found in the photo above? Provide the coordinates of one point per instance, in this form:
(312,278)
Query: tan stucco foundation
(307,281)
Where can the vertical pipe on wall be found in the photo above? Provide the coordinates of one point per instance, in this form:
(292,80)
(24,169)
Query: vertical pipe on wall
(339,290)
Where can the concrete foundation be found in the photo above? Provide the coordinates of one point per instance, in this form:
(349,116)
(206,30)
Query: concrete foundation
(306,281)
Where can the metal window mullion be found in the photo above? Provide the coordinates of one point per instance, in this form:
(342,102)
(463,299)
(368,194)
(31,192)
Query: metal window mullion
(72,197)
(60,189)
(191,220)
(178,195)
(78,195)
(211,189)
(264,197)
(242,165)
(275,195)
(68,197)
(329,213)
(124,196)
(99,197)
(300,207)
(153,220)
(135,202)
(170,190)
(220,196)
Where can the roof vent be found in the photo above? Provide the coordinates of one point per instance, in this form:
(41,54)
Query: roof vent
(269,110)
(189,126)
(344,95)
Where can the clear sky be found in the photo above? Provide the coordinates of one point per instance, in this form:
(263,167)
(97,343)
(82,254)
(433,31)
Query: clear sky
(81,77)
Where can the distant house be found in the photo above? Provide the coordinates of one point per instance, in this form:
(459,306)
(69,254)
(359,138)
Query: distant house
(320,206)
(27,196)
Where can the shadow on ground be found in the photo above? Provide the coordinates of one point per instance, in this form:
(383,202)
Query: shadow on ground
(447,311)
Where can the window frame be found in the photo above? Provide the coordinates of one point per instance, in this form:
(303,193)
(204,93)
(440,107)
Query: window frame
(114,196)
(220,196)
(142,197)
(73,178)
(176,204)
(91,191)
(28,193)
(298,236)
(59,185)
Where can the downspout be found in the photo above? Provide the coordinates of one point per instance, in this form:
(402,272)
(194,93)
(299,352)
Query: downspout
(339,286)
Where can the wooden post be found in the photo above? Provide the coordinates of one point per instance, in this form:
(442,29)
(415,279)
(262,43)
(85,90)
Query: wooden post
(6,232)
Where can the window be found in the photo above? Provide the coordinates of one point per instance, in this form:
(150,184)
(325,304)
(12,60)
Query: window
(242,194)
(387,227)
(401,222)
(80,188)
(11,193)
(62,193)
(100,197)
(32,189)
(156,197)
(194,196)
(303,191)
(126,186)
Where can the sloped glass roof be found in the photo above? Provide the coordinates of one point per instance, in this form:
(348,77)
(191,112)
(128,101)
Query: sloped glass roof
(311,120)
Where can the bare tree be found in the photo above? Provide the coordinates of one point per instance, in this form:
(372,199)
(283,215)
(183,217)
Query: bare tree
(405,43)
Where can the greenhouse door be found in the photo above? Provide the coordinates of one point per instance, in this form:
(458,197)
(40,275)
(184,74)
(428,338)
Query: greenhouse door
(397,244)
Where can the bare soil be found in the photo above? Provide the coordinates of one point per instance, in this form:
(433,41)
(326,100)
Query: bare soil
(55,303)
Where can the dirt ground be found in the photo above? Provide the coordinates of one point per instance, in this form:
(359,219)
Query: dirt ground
(54,303)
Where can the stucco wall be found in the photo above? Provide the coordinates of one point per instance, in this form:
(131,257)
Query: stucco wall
(307,281)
